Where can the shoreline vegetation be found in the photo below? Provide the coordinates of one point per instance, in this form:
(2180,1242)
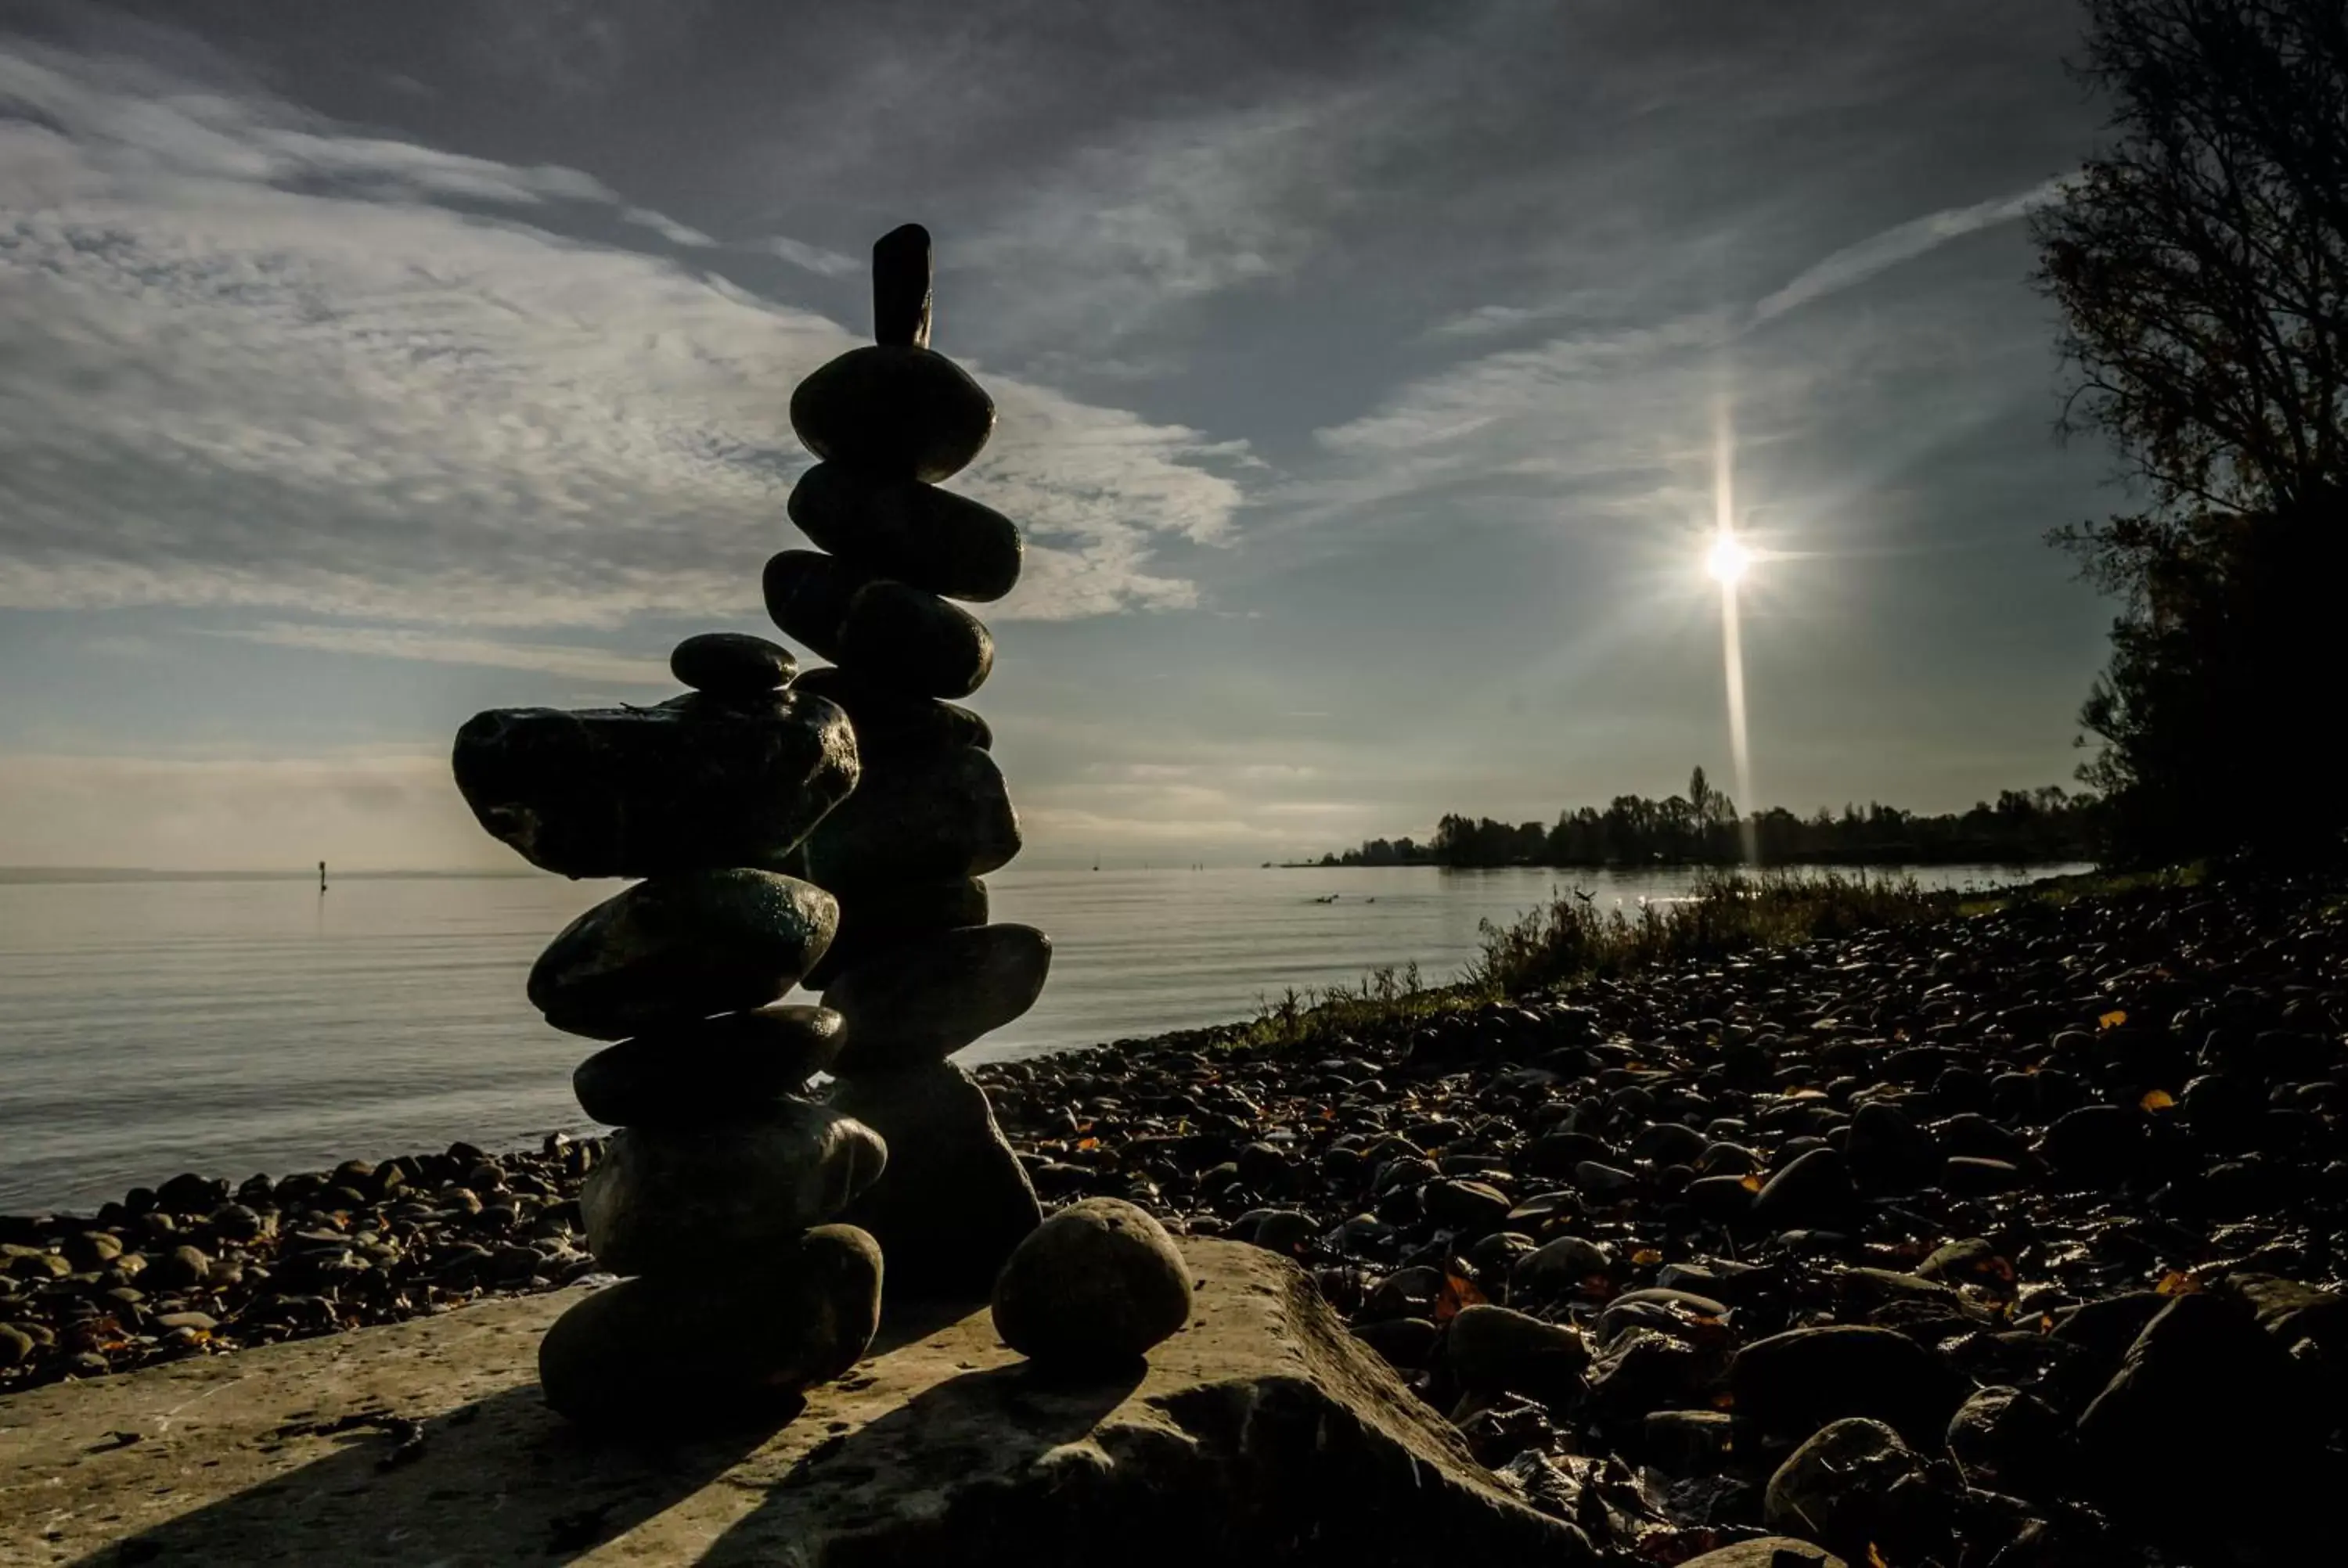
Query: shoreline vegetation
(2043,826)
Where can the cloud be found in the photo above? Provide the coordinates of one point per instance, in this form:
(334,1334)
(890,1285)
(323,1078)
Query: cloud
(1854,264)
(259,362)
(667,228)
(398,642)
(1128,231)
(810,258)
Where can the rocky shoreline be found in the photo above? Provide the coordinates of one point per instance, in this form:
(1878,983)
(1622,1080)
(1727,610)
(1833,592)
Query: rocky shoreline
(2013,1239)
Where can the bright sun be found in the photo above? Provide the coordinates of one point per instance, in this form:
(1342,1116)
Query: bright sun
(1727,559)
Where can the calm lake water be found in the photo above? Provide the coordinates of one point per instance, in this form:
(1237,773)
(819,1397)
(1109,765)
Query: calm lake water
(234,1026)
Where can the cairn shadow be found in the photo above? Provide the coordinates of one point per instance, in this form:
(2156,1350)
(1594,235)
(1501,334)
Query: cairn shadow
(928,1483)
(502,1479)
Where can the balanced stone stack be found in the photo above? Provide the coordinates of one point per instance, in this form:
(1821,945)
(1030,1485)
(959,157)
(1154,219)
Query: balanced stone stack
(712,1195)
(915,971)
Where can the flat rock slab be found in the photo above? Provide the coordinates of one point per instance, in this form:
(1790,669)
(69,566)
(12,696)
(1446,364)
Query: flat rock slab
(1263,1428)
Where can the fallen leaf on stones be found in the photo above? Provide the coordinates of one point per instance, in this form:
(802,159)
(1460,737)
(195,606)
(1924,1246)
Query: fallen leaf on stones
(1646,1258)
(2112,1020)
(2157,1100)
(1457,1292)
(2177,1283)
(1752,1183)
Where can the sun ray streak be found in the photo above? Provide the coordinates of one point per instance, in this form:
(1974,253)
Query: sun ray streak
(1727,561)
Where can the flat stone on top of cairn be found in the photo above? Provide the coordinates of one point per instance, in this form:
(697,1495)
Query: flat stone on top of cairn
(917,968)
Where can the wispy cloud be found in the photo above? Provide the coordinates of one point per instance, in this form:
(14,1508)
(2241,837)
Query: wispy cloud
(398,642)
(810,258)
(260,361)
(667,228)
(1855,264)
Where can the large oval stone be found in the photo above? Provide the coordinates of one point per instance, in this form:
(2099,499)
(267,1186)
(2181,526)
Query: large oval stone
(717,1199)
(1095,1284)
(681,948)
(896,412)
(946,818)
(907,639)
(888,722)
(876,917)
(807,594)
(923,1000)
(639,791)
(916,533)
(955,1200)
(688,1352)
(720,1069)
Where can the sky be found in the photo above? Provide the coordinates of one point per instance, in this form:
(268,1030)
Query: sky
(1359,365)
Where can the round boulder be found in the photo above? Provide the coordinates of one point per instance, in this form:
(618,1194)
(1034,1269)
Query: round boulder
(685,1351)
(717,1199)
(1097,1284)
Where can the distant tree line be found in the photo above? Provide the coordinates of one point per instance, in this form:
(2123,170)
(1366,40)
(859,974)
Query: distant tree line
(1703,827)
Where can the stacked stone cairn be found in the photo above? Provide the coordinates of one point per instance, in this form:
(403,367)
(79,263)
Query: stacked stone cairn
(712,1195)
(915,972)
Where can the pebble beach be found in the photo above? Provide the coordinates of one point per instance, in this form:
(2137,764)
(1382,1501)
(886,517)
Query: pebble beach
(1988,1239)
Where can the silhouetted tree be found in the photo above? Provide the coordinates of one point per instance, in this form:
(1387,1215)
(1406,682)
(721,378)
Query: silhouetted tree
(2200,263)
(2024,826)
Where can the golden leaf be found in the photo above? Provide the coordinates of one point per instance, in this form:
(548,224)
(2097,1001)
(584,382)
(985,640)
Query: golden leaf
(2112,1020)
(2177,1283)
(1087,1143)
(1646,1258)
(2157,1100)
(1875,1558)
(1458,1291)
(1752,1183)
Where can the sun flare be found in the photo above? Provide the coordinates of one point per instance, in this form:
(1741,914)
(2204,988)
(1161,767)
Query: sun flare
(1727,559)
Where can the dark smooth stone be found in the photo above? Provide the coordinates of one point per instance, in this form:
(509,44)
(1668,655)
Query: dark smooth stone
(1493,1349)
(955,1201)
(1799,1380)
(628,791)
(691,1351)
(1813,1190)
(807,594)
(1096,1284)
(925,999)
(911,531)
(731,664)
(696,1200)
(893,410)
(889,634)
(1888,1152)
(1851,1485)
(901,636)
(2006,1440)
(680,947)
(877,917)
(718,1069)
(2208,1404)
(900,287)
(888,722)
(951,818)
(1404,1342)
